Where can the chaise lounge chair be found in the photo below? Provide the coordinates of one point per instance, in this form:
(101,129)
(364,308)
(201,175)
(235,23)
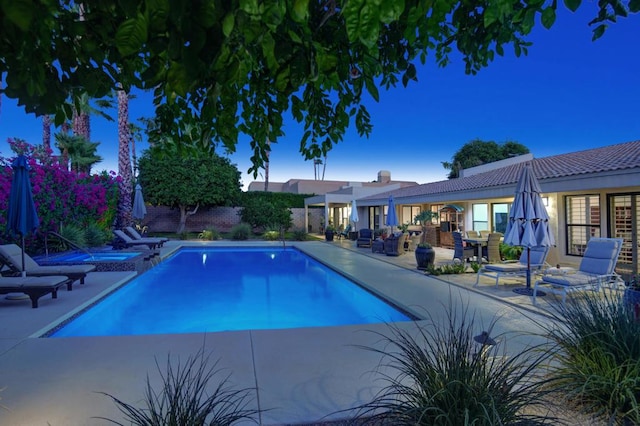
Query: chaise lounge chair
(596,268)
(537,261)
(11,257)
(136,236)
(127,241)
(34,287)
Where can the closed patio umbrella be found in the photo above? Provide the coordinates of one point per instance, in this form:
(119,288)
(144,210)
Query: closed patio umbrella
(354,215)
(392,217)
(22,217)
(528,222)
(139,209)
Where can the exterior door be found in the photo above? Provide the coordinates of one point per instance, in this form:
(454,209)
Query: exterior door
(624,223)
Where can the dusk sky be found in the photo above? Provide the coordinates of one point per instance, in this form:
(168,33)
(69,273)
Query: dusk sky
(568,94)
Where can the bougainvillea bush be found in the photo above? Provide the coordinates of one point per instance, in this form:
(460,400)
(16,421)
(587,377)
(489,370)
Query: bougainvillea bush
(61,196)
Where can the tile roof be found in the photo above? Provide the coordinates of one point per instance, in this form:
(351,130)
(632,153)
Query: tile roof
(604,159)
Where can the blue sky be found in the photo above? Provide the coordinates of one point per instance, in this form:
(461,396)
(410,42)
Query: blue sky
(568,94)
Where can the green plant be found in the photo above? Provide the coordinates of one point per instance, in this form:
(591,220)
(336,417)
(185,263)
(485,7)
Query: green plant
(424,245)
(596,366)
(456,268)
(424,218)
(209,234)
(188,398)
(330,228)
(404,227)
(241,231)
(509,252)
(72,237)
(436,374)
(94,235)
(299,234)
(475,266)
(271,235)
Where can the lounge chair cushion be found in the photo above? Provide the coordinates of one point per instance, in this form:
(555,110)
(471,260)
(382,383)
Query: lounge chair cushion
(11,255)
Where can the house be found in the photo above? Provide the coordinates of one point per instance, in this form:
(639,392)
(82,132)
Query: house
(588,193)
(337,203)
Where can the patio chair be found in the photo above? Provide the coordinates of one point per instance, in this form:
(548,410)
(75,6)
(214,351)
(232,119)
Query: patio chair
(11,258)
(484,233)
(394,244)
(136,236)
(596,268)
(515,269)
(491,251)
(459,250)
(128,242)
(473,234)
(34,287)
(345,232)
(365,237)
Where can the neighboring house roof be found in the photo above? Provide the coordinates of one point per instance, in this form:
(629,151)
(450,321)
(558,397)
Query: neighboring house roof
(609,166)
(312,186)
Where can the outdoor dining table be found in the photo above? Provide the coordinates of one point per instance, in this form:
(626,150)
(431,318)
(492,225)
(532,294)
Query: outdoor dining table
(479,243)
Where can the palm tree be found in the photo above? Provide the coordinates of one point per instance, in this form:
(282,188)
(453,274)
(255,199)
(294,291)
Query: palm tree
(80,151)
(125,186)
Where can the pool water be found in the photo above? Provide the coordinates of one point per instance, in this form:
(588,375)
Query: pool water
(221,289)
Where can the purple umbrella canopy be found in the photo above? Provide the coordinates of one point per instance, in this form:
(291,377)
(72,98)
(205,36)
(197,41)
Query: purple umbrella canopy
(22,216)
(528,222)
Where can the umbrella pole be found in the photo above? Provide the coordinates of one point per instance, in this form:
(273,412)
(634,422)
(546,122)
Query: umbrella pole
(24,272)
(528,291)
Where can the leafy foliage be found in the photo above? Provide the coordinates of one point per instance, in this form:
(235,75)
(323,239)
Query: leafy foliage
(61,197)
(455,268)
(239,65)
(478,152)
(288,199)
(179,181)
(259,213)
(597,365)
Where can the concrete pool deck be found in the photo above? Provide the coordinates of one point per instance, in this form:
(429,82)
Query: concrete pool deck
(300,375)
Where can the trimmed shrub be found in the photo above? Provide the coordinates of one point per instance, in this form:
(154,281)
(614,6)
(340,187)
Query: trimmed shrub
(95,236)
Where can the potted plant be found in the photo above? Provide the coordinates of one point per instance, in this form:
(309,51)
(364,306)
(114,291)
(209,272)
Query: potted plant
(329,231)
(425,254)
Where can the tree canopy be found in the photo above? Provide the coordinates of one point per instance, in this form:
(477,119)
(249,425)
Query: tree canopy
(237,65)
(478,152)
(187,183)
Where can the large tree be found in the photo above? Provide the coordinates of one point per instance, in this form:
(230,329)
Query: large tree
(478,152)
(239,64)
(188,183)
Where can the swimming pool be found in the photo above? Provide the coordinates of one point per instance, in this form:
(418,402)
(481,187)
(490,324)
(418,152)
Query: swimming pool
(224,289)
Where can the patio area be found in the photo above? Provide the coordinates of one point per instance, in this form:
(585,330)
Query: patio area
(302,375)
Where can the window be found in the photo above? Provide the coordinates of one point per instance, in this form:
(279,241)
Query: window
(500,217)
(436,208)
(583,222)
(480,217)
(409,212)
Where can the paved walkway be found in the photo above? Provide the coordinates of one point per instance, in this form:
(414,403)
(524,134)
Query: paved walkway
(300,375)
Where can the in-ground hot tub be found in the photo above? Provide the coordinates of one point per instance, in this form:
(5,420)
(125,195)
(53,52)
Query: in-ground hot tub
(105,260)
